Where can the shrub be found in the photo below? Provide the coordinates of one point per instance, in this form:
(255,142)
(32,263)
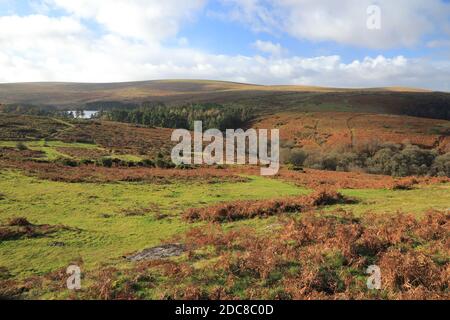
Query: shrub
(19,222)
(412,160)
(404,271)
(117,162)
(21,146)
(329,162)
(129,164)
(295,168)
(20,227)
(419,161)
(7,234)
(368,148)
(348,161)
(441,165)
(68,162)
(404,184)
(322,161)
(105,162)
(164,164)
(297,157)
(323,257)
(238,210)
(381,162)
(185,166)
(148,163)
(325,197)
(388,159)
(87,162)
(313,160)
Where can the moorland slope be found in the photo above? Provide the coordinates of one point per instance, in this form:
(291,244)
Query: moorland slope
(395,100)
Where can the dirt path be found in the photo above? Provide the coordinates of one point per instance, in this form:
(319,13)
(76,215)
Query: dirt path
(68,124)
(64,122)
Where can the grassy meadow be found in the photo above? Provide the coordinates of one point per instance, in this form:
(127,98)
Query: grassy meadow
(102,195)
(102,215)
(108,221)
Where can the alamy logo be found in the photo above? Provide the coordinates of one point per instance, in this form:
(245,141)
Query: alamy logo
(374,17)
(74,280)
(238,145)
(374,280)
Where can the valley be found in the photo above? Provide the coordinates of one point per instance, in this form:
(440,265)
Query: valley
(364,179)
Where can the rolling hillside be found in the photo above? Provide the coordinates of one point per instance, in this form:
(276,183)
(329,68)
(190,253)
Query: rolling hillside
(267,99)
(337,130)
(308,117)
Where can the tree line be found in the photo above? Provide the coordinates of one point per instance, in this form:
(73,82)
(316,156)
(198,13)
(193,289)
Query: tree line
(397,160)
(213,116)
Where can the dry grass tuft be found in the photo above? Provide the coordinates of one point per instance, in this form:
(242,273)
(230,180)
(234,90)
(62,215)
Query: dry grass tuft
(316,256)
(238,210)
(19,228)
(19,222)
(325,257)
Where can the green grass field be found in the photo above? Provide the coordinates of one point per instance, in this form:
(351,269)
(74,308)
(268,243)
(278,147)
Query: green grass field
(50,149)
(103,232)
(99,212)
(416,201)
(95,225)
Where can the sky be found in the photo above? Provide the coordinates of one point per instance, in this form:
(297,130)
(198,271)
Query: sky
(346,43)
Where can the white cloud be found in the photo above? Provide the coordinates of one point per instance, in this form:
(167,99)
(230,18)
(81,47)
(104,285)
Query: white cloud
(403,22)
(258,14)
(274,49)
(13,27)
(46,48)
(139,19)
(113,58)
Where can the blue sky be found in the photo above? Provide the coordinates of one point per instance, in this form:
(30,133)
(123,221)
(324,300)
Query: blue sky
(321,42)
(227,37)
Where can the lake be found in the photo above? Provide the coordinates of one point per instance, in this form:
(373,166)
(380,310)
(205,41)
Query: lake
(87,114)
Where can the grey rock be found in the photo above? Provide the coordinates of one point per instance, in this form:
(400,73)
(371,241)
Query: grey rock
(159,252)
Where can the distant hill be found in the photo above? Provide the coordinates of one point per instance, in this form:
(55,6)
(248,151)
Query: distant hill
(268,99)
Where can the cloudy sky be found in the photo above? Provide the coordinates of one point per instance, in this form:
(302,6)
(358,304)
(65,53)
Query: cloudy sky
(309,42)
